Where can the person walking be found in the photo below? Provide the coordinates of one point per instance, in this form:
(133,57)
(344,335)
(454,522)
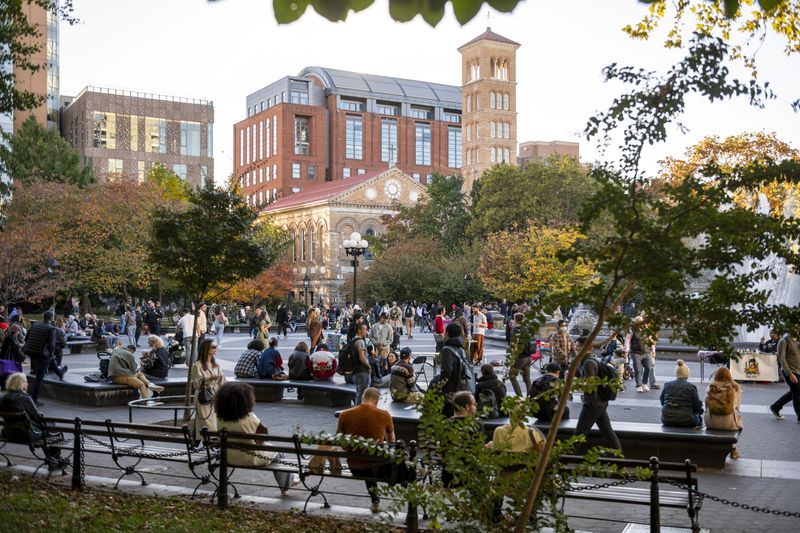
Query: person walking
(789,360)
(723,401)
(595,409)
(409,311)
(40,347)
(205,375)
(220,321)
(381,334)
(479,325)
(640,355)
(361,374)
(522,363)
(562,347)
(282,317)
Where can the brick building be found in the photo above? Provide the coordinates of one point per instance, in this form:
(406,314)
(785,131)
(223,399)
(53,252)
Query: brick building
(326,124)
(489,94)
(122,133)
(541,149)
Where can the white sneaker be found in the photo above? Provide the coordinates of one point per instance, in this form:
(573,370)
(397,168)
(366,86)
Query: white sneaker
(639,389)
(155,388)
(295,480)
(646,388)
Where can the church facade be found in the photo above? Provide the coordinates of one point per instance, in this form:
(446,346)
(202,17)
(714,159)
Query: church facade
(319,218)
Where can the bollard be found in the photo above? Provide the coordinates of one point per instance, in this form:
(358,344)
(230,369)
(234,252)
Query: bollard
(412,519)
(655,512)
(77,459)
(222,490)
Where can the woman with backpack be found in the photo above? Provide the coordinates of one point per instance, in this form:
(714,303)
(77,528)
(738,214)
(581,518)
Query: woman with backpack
(723,398)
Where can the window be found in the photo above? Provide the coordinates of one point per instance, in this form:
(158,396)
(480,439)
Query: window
(492,129)
(247,146)
(423,143)
(454,147)
(105,130)
(421,112)
(261,175)
(283,96)
(301,135)
(294,246)
(506,155)
(354,142)
(274,193)
(351,105)
(260,139)
(416,177)
(505,102)
(388,140)
(274,172)
(203,176)
(451,116)
(474,71)
(506,130)
(296,189)
(247,179)
(361,171)
(267,138)
(469,103)
(267,173)
(241,148)
(386,108)
(135,134)
(469,157)
(140,168)
(469,132)
(477,131)
(493,155)
(190,138)
(298,92)
(477,102)
(312,172)
(180,169)
(269,102)
(491,100)
(313,243)
(303,245)
(275,134)
(346,172)
(296,170)
(478,155)
(369,232)
(114,167)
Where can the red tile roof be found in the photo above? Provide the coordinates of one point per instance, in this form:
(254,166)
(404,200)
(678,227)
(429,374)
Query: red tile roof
(322,191)
(489,35)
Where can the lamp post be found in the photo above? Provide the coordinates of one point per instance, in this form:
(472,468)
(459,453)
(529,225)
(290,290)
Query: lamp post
(355,246)
(306,283)
(467,279)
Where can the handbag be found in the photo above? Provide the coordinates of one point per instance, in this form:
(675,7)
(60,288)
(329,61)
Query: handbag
(9,366)
(205,395)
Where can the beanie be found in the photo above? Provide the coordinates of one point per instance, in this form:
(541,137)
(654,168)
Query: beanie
(681,371)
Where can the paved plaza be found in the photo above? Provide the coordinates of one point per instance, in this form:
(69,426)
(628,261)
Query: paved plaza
(767,475)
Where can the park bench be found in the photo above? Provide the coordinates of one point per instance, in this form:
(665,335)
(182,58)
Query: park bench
(41,447)
(327,393)
(679,475)
(295,460)
(704,447)
(76,346)
(75,390)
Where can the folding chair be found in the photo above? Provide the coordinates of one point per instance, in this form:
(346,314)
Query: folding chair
(422,361)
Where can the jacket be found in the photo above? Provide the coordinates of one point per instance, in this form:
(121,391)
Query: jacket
(402,381)
(122,363)
(788,355)
(298,366)
(732,421)
(680,403)
(562,346)
(161,363)
(269,363)
(454,362)
(493,384)
(16,401)
(40,342)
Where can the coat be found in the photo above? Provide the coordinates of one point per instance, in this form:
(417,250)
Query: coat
(204,415)
(732,421)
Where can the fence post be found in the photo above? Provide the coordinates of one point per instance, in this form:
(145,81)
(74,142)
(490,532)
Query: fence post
(222,490)
(412,519)
(77,456)
(655,512)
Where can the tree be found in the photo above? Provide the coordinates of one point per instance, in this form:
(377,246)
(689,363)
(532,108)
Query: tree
(210,244)
(271,285)
(546,192)
(172,187)
(522,265)
(36,154)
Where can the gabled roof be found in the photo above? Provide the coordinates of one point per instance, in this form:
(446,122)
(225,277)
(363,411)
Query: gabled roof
(489,35)
(323,191)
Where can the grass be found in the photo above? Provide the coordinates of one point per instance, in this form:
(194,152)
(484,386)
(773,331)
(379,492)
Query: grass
(36,505)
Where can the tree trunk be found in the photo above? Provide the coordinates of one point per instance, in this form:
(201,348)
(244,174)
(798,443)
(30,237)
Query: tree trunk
(86,305)
(187,413)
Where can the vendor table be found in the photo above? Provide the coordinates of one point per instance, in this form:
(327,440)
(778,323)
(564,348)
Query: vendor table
(755,367)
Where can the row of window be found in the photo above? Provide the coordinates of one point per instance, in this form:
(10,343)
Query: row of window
(497,100)
(298,94)
(262,197)
(259,175)
(118,131)
(496,155)
(393,109)
(498,68)
(254,140)
(116,167)
(311,171)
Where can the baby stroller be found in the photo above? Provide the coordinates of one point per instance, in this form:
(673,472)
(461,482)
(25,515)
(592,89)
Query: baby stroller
(177,353)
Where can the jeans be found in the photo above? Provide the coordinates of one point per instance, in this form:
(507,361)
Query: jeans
(596,413)
(42,366)
(652,372)
(792,396)
(641,362)
(382,471)
(362,381)
(220,331)
(131,331)
(522,366)
(283,479)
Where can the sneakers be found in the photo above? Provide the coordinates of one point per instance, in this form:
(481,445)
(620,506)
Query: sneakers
(640,389)
(155,388)
(375,507)
(295,480)
(646,388)
(655,386)
(776,414)
(64,370)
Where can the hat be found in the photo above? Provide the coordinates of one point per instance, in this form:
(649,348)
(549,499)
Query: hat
(681,371)
(3,326)
(384,315)
(552,367)
(405,352)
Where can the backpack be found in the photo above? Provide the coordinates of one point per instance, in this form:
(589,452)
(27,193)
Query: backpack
(720,400)
(105,360)
(409,312)
(605,393)
(546,407)
(348,358)
(487,400)
(466,376)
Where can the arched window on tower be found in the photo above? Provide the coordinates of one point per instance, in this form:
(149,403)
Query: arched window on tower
(491,100)
(294,246)
(492,129)
(303,245)
(493,155)
(505,102)
(506,130)
(313,245)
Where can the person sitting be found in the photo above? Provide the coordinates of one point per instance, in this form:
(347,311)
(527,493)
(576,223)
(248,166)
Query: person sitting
(158,357)
(270,364)
(98,336)
(546,382)
(299,367)
(247,366)
(403,382)
(379,374)
(723,401)
(16,400)
(234,404)
(111,328)
(322,364)
(489,383)
(122,370)
(680,403)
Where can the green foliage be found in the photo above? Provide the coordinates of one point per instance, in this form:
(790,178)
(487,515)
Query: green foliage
(546,192)
(172,187)
(36,154)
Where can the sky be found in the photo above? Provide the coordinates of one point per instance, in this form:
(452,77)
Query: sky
(225,50)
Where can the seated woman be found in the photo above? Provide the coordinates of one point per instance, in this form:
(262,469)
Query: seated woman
(403,382)
(723,401)
(490,382)
(680,403)
(270,364)
(122,370)
(99,336)
(322,363)
(17,400)
(379,376)
(159,357)
(247,366)
(298,362)
(234,404)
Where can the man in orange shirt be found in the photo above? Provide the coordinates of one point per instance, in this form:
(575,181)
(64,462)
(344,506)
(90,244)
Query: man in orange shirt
(366,420)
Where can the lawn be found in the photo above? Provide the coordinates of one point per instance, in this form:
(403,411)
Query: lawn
(36,505)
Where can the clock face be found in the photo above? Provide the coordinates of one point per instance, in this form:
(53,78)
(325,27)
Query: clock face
(392,189)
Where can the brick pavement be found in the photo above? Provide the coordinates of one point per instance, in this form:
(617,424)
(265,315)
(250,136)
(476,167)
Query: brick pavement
(757,480)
